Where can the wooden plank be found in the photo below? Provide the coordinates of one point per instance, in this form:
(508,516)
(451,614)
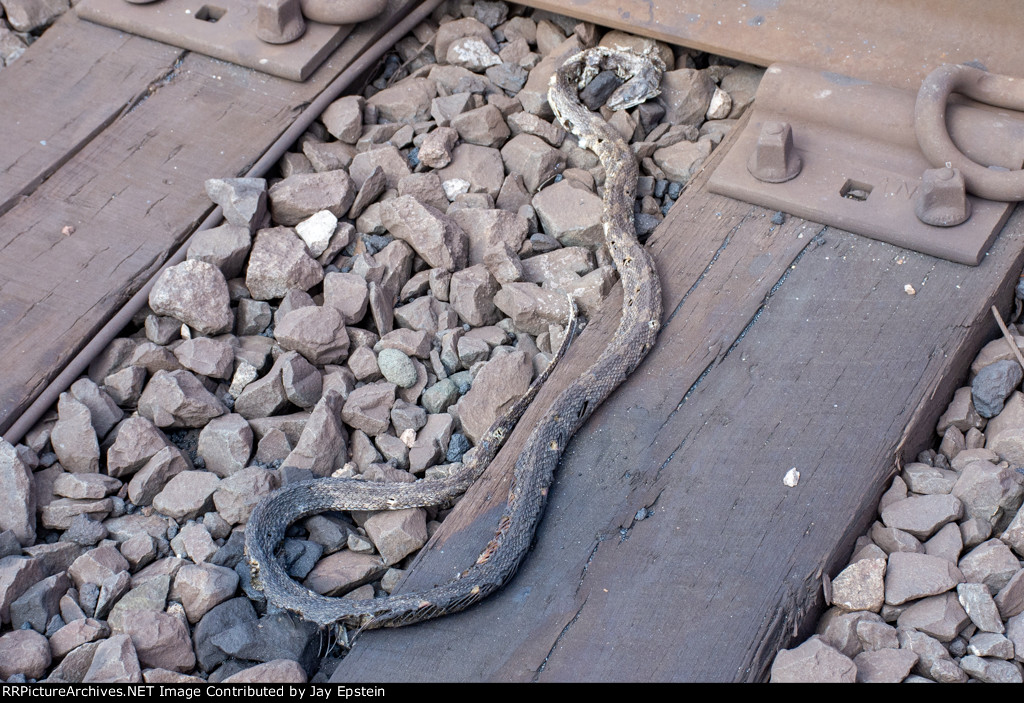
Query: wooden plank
(717,259)
(133,193)
(840,360)
(890,43)
(793,346)
(76,79)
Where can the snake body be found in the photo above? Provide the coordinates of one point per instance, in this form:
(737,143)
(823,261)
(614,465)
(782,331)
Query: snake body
(534,470)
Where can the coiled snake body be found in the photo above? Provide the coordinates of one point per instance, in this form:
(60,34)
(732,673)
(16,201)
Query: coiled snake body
(534,471)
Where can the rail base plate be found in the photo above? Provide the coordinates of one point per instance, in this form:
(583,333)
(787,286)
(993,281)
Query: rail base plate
(223,29)
(861,165)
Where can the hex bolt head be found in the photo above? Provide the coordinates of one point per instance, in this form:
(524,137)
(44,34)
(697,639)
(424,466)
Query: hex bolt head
(942,198)
(774,160)
(279,21)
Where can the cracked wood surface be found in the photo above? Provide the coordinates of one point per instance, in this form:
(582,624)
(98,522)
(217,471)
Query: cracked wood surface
(784,346)
(75,81)
(128,181)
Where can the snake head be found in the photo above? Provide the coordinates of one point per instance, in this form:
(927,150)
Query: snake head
(643,84)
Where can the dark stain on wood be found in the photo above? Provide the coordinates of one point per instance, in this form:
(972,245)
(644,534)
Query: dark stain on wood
(784,346)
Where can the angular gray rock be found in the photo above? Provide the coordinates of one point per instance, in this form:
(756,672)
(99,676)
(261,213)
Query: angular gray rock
(814,661)
(501,382)
(922,516)
(343,571)
(297,197)
(226,444)
(316,332)
(243,200)
(989,492)
(280,262)
(860,586)
(940,616)
(74,438)
(274,671)
(884,665)
(239,493)
(103,411)
(682,160)
(531,307)
(17,496)
(961,413)
(224,247)
(910,575)
(991,670)
(344,118)
(993,385)
(991,563)
(178,399)
(187,494)
(161,640)
(214,358)
(1004,433)
(434,236)
(152,478)
(348,294)
(368,408)
(976,599)
(472,293)
(397,533)
(196,293)
(200,587)
(322,445)
(406,101)
(533,159)
(137,441)
(934,660)
(571,214)
(114,661)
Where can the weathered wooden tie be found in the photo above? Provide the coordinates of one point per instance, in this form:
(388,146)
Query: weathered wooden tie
(784,346)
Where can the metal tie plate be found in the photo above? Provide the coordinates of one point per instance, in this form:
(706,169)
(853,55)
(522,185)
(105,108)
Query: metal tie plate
(223,29)
(857,162)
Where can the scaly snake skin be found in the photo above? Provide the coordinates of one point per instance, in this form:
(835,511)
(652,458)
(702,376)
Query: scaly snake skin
(534,471)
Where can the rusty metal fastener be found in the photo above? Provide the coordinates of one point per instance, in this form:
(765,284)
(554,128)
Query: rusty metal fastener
(941,198)
(930,126)
(774,160)
(279,21)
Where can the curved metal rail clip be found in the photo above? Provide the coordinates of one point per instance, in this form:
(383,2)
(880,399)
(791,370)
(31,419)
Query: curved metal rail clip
(878,162)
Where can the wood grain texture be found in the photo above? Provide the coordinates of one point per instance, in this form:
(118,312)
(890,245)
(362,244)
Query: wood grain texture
(132,193)
(784,346)
(76,79)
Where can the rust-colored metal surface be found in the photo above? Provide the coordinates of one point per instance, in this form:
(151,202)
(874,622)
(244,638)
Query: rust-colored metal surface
(890,43)
(855,163)
(934,138)
(223,29)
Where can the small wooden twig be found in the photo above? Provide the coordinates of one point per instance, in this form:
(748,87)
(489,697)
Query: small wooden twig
(1008,336)
(416,55)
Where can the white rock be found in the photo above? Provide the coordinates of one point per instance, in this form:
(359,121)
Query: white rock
(317,230)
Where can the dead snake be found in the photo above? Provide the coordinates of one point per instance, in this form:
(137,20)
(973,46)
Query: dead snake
(534,471)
